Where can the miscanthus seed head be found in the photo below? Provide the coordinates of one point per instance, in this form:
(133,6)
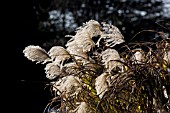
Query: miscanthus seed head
(36,53)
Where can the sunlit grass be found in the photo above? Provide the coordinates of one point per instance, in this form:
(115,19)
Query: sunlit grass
(96,77)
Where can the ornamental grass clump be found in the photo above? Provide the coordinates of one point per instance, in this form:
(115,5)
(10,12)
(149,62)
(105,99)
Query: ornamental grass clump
(91,75)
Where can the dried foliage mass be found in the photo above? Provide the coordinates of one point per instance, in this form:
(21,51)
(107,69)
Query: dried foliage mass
(90,75)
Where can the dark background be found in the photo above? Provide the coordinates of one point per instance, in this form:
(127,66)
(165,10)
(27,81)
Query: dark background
(30,22)
(26,90)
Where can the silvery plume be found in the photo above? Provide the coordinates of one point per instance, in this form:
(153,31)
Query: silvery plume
(77,53)
(68,86)
(59,54)
(82,108)
(92,27)
(111,35)
(101,84)
(111,58)
(37,54)
(52,71)
(81,40)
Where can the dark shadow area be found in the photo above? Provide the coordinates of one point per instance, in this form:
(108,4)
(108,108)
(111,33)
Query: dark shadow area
(26,92)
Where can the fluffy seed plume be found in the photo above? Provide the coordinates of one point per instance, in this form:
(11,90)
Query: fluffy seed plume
(92,27)
(111,35)
(58,54)
(36,53)
(68,86)
(52,71)
(110,54)
(82,108)
(81,40)
(101,84)
(108,58)
(77,52)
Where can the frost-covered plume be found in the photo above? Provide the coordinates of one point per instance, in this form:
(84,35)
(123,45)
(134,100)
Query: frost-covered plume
(36,53)
(111,35)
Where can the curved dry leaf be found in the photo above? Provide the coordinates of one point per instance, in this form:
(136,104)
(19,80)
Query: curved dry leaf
(101,84)
(139,56)
(115,64)
(115,80)
(92,67)
(166,57)
(165,92)
(36,53)
(52,71)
